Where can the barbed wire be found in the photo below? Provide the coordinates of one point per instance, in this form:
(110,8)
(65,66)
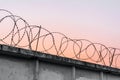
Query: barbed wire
(37,38)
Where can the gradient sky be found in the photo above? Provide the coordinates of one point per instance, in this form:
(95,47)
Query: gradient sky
(95,20)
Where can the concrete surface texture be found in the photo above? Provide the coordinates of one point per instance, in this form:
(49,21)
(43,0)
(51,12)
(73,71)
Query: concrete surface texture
(21,64)
(15,69)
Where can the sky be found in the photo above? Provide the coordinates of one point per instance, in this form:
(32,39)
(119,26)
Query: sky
(95,20)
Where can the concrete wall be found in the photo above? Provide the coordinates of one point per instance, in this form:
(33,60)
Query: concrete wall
(32,68)
(49,71)
(16,69)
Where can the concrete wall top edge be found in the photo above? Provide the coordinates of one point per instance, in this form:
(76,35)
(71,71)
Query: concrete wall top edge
(19,52)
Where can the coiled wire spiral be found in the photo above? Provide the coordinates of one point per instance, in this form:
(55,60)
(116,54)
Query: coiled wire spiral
(37,38)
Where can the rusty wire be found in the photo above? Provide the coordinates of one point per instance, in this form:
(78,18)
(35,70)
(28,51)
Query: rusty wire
(37,38)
